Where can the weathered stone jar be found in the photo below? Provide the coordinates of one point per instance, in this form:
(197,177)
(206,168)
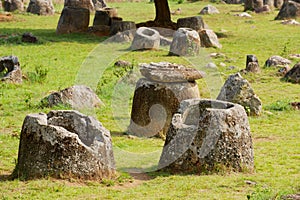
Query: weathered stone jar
(64,144)
(157,97)
(208,136)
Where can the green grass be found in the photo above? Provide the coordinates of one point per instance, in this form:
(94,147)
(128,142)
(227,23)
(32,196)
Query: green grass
(58,61)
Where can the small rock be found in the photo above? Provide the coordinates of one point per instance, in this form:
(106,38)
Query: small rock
(209,10)
(244,14)
(290,22)
(277,61)
(291,197)
(209,39)
(283,70)
(217,55)
(252,64)
(123,63)
(293,75)
(211,65)
(29,38)
(236,89)
(294,56)
(250,182)
(77,96)
(222,64)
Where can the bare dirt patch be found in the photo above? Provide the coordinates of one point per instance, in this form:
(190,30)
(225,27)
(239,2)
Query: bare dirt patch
(6,17)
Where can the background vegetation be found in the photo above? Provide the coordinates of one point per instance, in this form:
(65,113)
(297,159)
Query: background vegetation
(54,62)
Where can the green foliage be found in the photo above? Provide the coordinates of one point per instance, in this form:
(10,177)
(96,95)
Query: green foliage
(39,75)
(10,39)
(280,105)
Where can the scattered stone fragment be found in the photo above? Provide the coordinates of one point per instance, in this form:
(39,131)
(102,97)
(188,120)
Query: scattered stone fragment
(290,22)
(244,14)
(209,38)
(294,56)
(277,61)
(64,144)
(10,70)
(291,197)
(208,136)
(293,75)
(123,63)
(41,7)
(77,96)
(217,55)
(145,38)
(283,70)
(209,10)
(296,105)
(186,42)
(238,90)
(29,38)
(211,65)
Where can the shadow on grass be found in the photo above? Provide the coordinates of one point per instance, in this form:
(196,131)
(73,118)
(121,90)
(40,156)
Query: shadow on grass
(5,177)
(48,35)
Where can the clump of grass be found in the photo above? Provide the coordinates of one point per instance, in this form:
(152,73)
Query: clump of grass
(280,105)
(39,75)
(10,39)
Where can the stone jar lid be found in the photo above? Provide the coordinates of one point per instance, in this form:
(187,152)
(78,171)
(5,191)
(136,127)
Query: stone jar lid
(169,72)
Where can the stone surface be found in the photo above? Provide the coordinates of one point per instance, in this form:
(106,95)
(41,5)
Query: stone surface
(29,38)
(196,23)
(209,10)
(253,5)
(208,136)
(64,144)
(278,3)
(165,41)
(252,64)
(289,10)
(41,7)
(145,38)
(123,63)
(209,39)
(295,105)
(99,30)
(73,20)
(238,90)
(77,96)
(13,5)
(277,61)
(120,37)
(186,42)
(10,70)
(294,74)
(169,72)
(105,16)
(99,4)
(121,26)
(154,103)
(87,4)
(283,70)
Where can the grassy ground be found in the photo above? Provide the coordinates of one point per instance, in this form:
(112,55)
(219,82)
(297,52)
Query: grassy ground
(275,134)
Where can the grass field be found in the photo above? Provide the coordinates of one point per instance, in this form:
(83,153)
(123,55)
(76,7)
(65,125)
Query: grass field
(276,133)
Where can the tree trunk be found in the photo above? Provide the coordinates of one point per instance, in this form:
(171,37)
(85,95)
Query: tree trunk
(163,15)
